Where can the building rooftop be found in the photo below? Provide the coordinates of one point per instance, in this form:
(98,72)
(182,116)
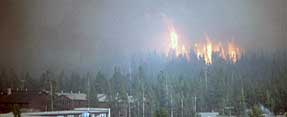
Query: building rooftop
(102,97)
(74,96)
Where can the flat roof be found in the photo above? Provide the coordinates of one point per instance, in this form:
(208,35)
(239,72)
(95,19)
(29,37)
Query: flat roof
(76,111)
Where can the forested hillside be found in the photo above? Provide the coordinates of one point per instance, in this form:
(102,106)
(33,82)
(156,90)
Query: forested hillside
(175,86)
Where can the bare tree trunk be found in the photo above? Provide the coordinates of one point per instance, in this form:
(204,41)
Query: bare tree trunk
(182,109)
(129,109)
(171,106)
(143,104)
(205,75)
(138,108)
(195,106)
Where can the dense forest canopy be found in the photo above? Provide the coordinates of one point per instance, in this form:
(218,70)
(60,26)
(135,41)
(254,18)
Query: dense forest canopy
(175,85)
(149,57)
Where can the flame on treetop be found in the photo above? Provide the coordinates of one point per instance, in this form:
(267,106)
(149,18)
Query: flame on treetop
(205,49)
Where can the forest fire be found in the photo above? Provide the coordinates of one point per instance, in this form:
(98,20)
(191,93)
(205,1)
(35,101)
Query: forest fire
(204,49)
(234,52)
(176,46)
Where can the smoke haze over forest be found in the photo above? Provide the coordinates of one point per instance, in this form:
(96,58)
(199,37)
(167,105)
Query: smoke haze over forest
(88,35)
(143,58)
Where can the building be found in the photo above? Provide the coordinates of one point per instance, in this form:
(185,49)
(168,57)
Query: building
(102,101)
(69,101)
(78,112)
(29,100)
(39,100)
(207,114)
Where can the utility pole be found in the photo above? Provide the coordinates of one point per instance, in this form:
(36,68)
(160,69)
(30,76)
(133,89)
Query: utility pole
(88,90)
(51,95)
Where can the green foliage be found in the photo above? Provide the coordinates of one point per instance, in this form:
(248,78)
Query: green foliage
(254,79)
(15,110)
(100,83)
(256,112)
(160,113)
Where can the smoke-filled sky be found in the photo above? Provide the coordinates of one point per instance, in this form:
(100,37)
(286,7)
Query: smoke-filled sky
(36,35)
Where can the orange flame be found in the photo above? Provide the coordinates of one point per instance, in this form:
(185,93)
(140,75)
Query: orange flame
(176,46)
(234,53)
(174,40)
(203,50)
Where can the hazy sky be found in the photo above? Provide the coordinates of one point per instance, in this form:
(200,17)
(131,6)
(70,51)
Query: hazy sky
(88,34)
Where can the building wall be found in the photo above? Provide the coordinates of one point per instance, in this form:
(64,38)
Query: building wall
(64,103)
(32,99)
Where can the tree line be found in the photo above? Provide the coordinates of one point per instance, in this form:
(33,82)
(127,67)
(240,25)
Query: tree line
(175,88)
